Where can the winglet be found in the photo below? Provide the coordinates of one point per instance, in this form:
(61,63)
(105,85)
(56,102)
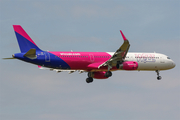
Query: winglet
(123,35)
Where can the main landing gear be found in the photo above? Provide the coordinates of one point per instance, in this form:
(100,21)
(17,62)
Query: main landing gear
(118,63)
(90,77)
(158,77)
(108,74)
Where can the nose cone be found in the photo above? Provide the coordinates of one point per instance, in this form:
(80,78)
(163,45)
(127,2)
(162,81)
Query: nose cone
(173,64)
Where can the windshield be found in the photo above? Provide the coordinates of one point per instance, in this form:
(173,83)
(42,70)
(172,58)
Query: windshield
(168,58)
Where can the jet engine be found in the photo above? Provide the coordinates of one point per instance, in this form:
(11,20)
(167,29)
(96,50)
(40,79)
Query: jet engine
(97,75)
(129,65)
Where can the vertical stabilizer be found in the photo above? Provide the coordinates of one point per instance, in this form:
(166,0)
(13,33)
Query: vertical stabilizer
(24,41)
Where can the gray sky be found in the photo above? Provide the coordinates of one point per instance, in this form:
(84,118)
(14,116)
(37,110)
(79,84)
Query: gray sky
(32,94)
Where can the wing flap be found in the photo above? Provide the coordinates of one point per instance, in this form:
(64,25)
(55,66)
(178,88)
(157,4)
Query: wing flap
(9,58)
(60,70)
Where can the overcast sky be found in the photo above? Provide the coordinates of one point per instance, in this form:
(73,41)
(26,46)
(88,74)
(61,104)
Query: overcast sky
(28,93)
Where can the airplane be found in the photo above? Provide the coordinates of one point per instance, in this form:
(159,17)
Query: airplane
(98,65)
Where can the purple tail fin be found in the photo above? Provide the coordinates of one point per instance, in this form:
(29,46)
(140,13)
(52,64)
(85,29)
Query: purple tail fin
(25,42)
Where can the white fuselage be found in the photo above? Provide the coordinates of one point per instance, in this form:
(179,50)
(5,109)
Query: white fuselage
(150,61)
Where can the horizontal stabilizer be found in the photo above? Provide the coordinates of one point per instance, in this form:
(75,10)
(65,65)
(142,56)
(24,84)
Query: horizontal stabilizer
(9,58)
(31,54)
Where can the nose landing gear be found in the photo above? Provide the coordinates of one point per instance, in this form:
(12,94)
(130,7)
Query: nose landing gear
(158,77)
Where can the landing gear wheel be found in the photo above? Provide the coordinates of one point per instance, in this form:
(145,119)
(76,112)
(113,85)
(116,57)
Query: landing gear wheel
(159,77)
(89,79)
(108,74)
(118,63)
(117,66)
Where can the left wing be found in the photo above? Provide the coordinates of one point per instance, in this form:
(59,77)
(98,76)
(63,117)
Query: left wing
(59,70)
(119,55)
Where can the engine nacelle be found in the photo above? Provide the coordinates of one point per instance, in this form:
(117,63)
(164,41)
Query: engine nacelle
(98,75)
(129,65)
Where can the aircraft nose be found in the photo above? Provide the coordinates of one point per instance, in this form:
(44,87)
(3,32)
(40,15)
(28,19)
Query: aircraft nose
(173,64)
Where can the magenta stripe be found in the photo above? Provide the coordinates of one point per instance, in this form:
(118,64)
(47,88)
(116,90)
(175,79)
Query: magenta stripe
(123,35)
(83,60)
(21,31)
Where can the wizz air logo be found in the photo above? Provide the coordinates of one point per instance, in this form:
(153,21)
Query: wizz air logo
(145,57)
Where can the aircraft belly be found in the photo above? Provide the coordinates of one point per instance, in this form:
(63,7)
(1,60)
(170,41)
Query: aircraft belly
(147,66)
(77,65)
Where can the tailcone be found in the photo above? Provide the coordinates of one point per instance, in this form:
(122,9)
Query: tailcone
(18,55)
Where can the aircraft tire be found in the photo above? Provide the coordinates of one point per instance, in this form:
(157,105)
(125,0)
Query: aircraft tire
(159,77)
(108,74)
(89,79)
(117,66)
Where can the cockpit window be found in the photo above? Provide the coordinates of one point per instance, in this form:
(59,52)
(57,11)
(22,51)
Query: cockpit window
(168,58)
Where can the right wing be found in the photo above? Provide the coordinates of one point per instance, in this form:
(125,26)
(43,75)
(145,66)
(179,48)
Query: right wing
(119,55)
